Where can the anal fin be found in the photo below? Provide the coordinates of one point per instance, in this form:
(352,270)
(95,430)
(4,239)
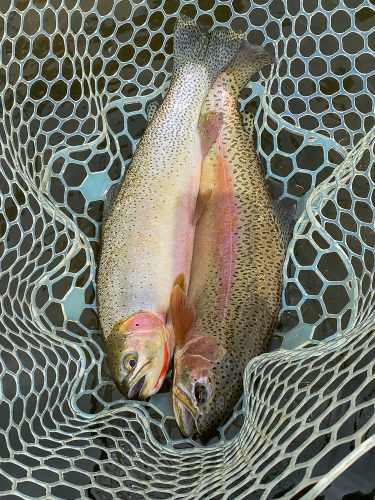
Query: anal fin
(151,110)
(209,127)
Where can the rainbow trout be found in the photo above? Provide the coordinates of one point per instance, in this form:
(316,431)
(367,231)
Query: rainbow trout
(147,238)
(233,300)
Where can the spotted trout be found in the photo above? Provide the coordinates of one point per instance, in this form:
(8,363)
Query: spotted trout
(229,311)
(147,237)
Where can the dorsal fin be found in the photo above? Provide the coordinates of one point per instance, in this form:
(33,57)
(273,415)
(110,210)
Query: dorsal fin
(201,205)
(209,126)
(182,314)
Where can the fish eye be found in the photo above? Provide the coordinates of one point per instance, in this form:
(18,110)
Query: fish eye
(202,393)
(130,363)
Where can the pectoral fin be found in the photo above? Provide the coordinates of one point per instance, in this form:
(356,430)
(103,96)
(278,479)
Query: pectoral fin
(201,205)
(209,127)
(180,281)
(182,314)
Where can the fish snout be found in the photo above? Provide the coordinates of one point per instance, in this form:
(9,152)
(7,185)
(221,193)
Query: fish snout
(184,410)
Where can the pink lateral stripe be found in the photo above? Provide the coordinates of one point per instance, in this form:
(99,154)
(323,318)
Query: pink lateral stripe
(227,221)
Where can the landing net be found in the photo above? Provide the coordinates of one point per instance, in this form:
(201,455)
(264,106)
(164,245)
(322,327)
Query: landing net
(76,77)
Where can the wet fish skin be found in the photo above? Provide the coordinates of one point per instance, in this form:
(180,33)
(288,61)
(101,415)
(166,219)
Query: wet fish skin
(236,274)
(147,238)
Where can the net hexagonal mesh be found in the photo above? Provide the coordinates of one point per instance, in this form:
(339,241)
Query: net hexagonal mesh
(76,78)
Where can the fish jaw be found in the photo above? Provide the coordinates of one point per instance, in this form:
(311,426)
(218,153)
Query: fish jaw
(184,411)
(139,353)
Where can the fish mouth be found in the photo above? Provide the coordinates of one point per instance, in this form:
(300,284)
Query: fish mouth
(136,388)
(184,412)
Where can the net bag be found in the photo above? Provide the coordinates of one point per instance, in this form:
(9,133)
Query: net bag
(76,79)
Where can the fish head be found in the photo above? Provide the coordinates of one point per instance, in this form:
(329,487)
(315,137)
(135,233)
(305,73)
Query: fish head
(205,388)
(139,354)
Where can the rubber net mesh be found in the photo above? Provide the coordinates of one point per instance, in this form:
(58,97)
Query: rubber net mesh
(76,77)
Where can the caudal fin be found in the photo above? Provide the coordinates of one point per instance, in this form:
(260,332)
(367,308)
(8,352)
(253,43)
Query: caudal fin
(222,47)
(194,46)
(249,60)
(190,43)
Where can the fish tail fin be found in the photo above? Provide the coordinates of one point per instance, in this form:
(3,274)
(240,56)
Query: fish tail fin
(209,126)
(249,60)
(222,47)
(190,43)
(193,45)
